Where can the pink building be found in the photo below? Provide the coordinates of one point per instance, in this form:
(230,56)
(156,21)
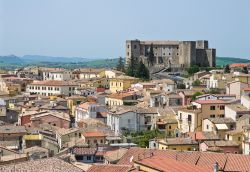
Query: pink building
(220,146)
(58,119)
(186,96)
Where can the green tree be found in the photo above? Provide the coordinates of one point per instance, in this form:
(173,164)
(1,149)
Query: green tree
(214,91)
(196,83)
(244,70)
(151,56)
(193,69)
(181,86)
(227,69)
(195,95)
(131,69)
(142,71)
(120,65)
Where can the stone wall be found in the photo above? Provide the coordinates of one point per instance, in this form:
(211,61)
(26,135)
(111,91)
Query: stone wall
(178,54)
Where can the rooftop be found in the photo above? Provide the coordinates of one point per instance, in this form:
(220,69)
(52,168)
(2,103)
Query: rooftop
(84,151)
(165,164)
(41,165)
(109,168)
(227,162)
(179,141)
(12,129)
(221,120)
(210,101)
(221,143)
(94,134)
(238,108)
(120,95)
(53,83)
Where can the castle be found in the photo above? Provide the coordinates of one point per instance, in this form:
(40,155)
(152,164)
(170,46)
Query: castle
(174,54)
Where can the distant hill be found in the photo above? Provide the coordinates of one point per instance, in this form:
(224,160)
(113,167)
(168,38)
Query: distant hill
(11,59)
(222,61)
(39,58)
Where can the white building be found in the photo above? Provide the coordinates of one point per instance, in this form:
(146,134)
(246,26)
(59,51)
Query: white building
(189,120)
(48,88)
(61,75)
(216,97)
(85,91)
(124,118)
(235,111)
(90,110)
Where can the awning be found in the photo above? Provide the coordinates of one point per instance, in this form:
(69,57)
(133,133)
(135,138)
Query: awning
(221,126)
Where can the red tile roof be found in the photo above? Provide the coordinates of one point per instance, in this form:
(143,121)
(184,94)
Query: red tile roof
(236,65)
(53,83)
(94,134)
(84,151)
(109,168)
(246,89)
(171,165)
(120,96)
(210,101)
(227,162)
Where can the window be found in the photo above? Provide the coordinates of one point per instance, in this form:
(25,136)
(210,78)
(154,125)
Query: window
(212,116)
(169,54)
(169,127)
(222,107)
(101,141)
(221,115)
(239,138)
(212,107)
(189,149)
(177,54)
(95,141)
(180,116)
(207,127)
(88,158)
(129,121)
(127,46)
(189,118)
(174,148)
(135,46)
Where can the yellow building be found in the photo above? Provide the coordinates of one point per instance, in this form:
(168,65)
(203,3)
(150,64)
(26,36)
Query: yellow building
(65,136)
(121,99)
(121,83)
(94,138)
(235,135)
(245,78)
(170,126)
(73,101)
(180,144)
(109,73)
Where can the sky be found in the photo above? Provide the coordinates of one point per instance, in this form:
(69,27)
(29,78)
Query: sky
(99,28)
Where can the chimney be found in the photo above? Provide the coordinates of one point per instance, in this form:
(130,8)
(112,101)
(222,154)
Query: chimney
(216,167)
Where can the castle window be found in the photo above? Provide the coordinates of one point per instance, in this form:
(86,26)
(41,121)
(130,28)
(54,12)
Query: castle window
(177,48)
(177,54)
(135,46)
(128,53)
(169,54)
(128,46)
(164,54)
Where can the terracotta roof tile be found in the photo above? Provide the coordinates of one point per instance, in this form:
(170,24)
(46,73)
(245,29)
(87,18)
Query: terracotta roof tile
(171,165)
(210,101)
(109,168)
(84,151)
(94,134)
(53,83)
